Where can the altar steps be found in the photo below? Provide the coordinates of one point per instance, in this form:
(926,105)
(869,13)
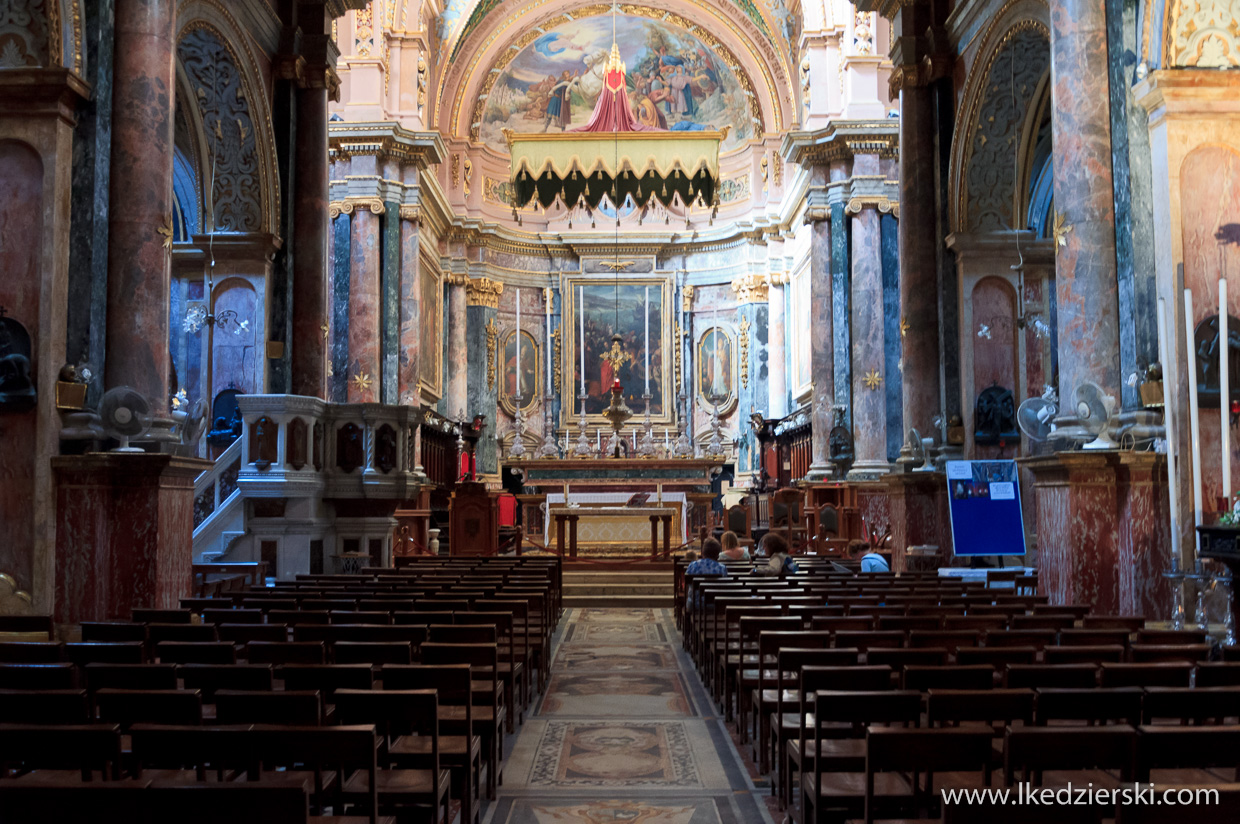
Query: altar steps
(650,589)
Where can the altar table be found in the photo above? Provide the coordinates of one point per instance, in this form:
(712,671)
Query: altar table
(614,530)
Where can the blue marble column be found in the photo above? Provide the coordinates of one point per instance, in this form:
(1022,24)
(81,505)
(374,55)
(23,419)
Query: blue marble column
(890,240)
(554,357)
(841,312)
(338,380)
(752,376)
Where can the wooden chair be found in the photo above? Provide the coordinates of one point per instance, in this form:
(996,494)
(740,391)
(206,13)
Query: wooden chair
(232,616)
(325,752)
(31,652)
(1196,705)
(1128,623)
(1082,654)
(514,657)
(375,653)
(737,519)
(1077,755)
(113,631)
(1093,636)
(1209,805)
(326,678)
(1171,636)
(128,707)
(150,615)
(988,812)
(487,710)
(130,677)
(209,678)
(1092,706)
(786,517)
(1218,674)
(1038,676)
(973,677)
(1153,653)
(297,617)
(44,707)
(37,753)
(191,633)
(242,634)
(460,747)
(960,757)
(1187,755)
(1172,674)
(196,652)
(58,676)
(286,652)
(294,707)
(397,714)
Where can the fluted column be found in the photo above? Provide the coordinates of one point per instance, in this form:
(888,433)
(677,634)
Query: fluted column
(1086,289)
(140,218)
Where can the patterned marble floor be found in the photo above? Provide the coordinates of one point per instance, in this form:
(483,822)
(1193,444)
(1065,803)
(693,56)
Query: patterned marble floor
(624,733)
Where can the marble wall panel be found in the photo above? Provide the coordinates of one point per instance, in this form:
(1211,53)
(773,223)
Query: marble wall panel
(338,372)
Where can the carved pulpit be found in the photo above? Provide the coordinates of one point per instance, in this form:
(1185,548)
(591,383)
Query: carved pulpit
(473,521)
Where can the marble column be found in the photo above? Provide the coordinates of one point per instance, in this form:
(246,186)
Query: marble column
(822,349)
(482,342)
(919,312)
(1086,288)
(364,300)
(410,372)
(777,370)
(869,400)
(140,192)
(310,261)
(457,360)
(752,323)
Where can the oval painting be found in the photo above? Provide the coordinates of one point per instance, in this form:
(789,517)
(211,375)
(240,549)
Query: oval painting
(674,81)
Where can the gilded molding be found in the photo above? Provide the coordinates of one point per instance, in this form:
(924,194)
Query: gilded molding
(882,204)
(492,343)
(456,279)
(686,298)
(751,288)
(483,292)
(411,213)
(555,358)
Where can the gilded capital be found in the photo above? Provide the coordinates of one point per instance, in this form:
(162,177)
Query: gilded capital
(483,292)
(411,213)
(750,288)
(882,204)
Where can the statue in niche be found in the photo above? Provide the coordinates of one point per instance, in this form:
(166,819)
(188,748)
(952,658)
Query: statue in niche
(17,392)
(994,417)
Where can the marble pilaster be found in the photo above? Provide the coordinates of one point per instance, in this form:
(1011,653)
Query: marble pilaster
(310,231)
(777,374)
(410,372)
(364,371)
(892,391)
(919,515)
(140,194)
(338,368)
(456,361)
(1144,534)
(869,399)
(389,304)
(482,342)
(1085,270)
(822,345)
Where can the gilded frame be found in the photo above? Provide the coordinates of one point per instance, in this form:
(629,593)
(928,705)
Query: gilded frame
(729,334)
(432,360)
(506,401)
(570,360)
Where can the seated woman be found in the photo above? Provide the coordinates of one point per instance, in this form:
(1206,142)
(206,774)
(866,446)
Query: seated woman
(870,561)
(732,549)
(775,548)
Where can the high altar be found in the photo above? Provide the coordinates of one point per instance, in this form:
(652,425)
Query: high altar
(598,490)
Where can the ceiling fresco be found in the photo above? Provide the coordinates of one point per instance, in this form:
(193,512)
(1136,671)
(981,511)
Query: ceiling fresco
(674,81)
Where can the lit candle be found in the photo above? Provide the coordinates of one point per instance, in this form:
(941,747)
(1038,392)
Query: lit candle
(646,310)
(1165,347)
(1224,393)
(1194,422)
(581,310)
(518,365)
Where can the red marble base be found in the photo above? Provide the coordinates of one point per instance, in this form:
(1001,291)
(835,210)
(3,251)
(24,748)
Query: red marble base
(1102,530)
(124,533)
(919,515)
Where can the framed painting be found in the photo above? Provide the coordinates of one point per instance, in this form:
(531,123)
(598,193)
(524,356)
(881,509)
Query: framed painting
(798,332)
(716,368)
(431,285)
(530,385)
(612,315)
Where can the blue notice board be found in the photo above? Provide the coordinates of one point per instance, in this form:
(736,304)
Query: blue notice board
(984,501)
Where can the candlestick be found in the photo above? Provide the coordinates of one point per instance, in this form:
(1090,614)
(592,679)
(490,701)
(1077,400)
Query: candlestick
(1224,389)
(1194,421)
(518,365)
(581,310)
(548,349)
(646,310)
(1165,347)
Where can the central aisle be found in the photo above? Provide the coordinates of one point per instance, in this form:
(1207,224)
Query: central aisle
(625,732)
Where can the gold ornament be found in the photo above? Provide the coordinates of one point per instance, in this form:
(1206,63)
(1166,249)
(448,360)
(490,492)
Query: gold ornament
(362,382)
(872,379)
(1061,229)
(492,341)
(325,329)
(744,347)
(166,231)
(904,327)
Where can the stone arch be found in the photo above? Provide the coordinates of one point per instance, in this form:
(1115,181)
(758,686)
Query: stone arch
(1008,75)
(246,195)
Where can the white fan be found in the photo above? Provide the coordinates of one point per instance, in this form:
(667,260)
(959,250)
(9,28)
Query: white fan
(1094,409)
(125,415)
(1036,417)
(192,424)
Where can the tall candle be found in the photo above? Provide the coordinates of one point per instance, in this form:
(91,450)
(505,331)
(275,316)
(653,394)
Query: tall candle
(581,310)
(518,367)
(646,310)
(548,349)
(600,439)
(1224,393)
(634,438)
(1194,422)
(1165,348)
(666,439)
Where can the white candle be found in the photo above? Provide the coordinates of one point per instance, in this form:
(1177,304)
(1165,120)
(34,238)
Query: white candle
(666,440)
(600,439)
(1194,421)
(634,438)
(581,310)
(1165,347)
(518,344)
(1224,389)
(646,310)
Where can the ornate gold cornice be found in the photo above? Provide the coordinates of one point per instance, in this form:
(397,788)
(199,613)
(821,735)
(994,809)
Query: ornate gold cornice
(346,207)
(842,140)
(743,337)
(483,292)
(386,141)
(750,288)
